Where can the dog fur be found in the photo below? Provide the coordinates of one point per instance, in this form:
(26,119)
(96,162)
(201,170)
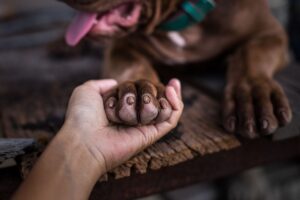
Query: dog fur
(254,43)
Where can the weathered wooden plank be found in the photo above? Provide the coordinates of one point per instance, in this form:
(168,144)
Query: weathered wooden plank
(40,115)
(11,148)
(197,150)
(199,169)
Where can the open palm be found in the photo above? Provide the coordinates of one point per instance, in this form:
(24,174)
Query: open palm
(111,143)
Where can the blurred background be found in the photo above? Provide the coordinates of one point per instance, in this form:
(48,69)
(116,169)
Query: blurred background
(31,23)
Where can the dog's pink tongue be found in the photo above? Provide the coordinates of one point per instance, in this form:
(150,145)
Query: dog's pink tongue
(80,27)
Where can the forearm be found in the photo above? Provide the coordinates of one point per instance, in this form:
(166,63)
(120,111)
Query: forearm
(66,170)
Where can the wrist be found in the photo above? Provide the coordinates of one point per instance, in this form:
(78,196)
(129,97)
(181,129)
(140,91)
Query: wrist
(66,170)
(76,151)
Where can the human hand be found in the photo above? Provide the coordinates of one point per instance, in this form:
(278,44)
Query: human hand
(113,145)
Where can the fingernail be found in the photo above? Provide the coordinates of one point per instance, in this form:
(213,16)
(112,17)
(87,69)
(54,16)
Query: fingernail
(146,99)
(283,115)
(130,100)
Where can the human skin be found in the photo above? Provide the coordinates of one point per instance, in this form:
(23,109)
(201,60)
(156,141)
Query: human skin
(87,146)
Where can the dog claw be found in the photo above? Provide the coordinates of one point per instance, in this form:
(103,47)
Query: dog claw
(165,112)
(258,104)
(268,126)
(284,118)
(130,100)
(146,99)
(111,102)
(265,124)
(164,104)
(250,128)
(232,124)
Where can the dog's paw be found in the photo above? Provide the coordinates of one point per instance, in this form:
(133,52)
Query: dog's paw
(255,107)
(140,102)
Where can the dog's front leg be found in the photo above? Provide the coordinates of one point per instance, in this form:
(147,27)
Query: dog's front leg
(254,103)
(139,97)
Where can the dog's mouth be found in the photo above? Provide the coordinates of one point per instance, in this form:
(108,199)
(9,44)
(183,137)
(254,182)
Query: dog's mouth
(108,23)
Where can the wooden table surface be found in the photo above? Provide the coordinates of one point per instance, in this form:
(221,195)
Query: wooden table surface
(34,90)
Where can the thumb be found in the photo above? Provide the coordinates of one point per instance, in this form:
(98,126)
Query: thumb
(176,84)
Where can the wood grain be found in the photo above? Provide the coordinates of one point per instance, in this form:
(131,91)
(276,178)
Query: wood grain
(36,110)
(33,103)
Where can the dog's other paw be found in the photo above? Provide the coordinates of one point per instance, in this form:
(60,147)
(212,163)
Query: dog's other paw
(254,107)
(140,102)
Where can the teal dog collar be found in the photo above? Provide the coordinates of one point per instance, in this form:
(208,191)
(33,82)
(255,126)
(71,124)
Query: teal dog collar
(192,12)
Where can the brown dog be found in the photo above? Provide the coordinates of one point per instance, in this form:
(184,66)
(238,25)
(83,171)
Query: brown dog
(244,29)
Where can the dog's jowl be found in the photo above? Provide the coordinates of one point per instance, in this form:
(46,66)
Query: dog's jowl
(143,33)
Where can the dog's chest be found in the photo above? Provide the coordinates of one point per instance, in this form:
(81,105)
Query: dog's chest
(186,38)
(179,47)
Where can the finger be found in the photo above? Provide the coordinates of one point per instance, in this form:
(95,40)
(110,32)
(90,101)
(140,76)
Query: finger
(166,126)
(176,84)
(155,132)
(173,98)
(102,86)
(165,111)
(176,103)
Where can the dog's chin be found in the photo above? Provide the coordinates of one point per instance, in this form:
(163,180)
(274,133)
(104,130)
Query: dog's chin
(114,23)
